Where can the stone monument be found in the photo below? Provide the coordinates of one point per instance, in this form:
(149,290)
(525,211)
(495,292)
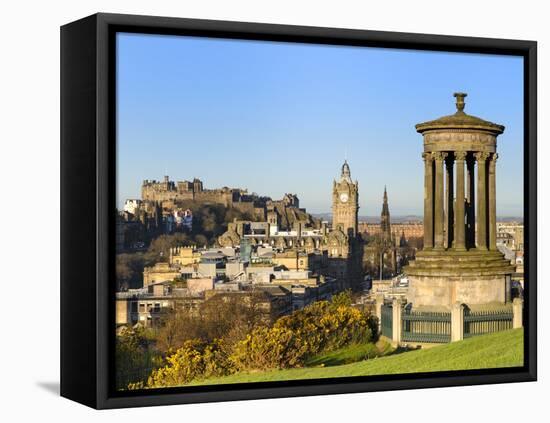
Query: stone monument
(460,261)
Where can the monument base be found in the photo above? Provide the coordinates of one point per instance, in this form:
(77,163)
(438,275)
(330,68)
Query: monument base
(442,278)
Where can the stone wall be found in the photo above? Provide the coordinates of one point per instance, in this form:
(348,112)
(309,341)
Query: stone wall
(199,285)
(160,272)
(122,312)
(429,291)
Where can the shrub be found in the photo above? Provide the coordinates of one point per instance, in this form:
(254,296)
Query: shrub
(328,326)
(319,327)
(220,317)
(195,359)
(342,299)
(269,348)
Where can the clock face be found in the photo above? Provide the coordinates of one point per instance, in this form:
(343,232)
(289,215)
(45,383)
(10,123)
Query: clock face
(343,197)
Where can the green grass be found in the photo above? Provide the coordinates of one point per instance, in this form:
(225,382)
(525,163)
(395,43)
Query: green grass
(350,354)
(503,349)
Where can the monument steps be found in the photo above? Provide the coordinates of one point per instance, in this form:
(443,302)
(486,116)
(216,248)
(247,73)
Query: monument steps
(459,263)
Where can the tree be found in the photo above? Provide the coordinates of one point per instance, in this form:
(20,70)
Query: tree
(177,327)
(201,240)
(129,269)
(379,263)
(225,317)
(160,246)
(133,358)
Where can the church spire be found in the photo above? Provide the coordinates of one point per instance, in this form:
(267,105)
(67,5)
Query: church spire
(385,225)
(385,207)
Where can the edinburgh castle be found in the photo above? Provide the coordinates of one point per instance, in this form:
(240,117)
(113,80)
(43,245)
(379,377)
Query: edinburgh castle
(171,194)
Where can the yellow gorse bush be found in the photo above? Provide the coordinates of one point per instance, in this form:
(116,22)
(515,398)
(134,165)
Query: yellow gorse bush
(194,360)
(268,348)
(320,327)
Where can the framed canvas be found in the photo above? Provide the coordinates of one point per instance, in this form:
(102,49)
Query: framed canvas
(226,190)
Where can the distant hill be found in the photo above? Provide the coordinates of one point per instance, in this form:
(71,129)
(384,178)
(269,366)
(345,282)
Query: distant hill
(407,218)
(510,219)
(374,219)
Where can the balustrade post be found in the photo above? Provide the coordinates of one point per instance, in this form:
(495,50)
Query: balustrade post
(378,309)
(457,322)
(396,321)
(517,308)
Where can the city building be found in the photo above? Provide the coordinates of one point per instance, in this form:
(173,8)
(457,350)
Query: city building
(510,234)
(405,230)
(184,256)
(288,257)
(131,205)
(345,203)
(295,237)
(150,305)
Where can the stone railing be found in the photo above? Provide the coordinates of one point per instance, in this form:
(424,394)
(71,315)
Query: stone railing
(425,326)
(403,325)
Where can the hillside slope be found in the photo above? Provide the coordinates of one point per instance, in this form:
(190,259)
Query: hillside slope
(503,349)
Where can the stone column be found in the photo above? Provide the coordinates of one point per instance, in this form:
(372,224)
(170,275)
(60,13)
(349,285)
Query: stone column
(428,201)
(517,308)
(449,200)
(470,195)
(492,202)
(438,202)
(481,221)
(460,228)
(457,322)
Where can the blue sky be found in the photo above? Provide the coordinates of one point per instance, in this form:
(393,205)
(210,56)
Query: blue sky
(281,117)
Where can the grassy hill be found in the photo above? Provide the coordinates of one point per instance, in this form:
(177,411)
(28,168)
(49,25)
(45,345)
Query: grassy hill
(503,349)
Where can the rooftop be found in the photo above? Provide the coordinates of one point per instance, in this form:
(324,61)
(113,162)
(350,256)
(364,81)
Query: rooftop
(460,120)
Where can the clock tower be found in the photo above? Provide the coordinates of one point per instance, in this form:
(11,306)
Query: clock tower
(345,203)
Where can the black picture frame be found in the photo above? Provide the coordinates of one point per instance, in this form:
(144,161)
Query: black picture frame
(88,198)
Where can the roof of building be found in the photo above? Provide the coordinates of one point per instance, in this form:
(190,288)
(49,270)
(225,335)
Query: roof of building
(460,120)
(213,255)
(271,289)
(346,173)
